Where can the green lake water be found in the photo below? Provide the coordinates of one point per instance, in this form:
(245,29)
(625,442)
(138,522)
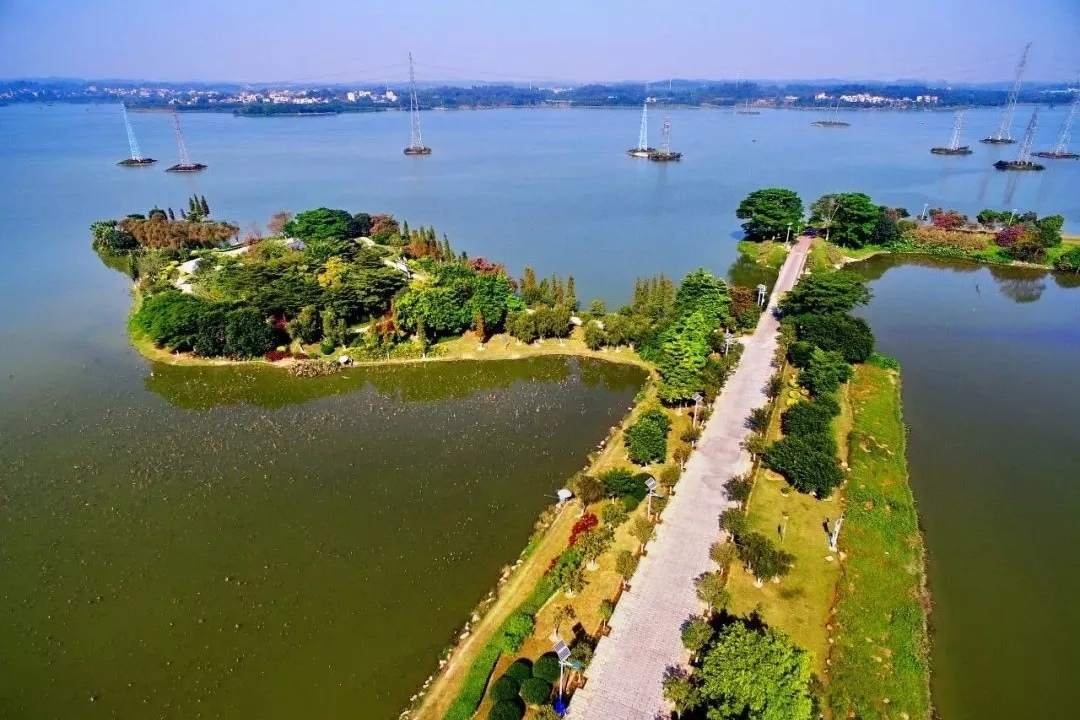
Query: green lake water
(233,543)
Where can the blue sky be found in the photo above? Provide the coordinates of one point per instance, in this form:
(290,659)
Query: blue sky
(358,40)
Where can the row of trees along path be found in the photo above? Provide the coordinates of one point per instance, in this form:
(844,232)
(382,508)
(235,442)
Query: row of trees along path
(626,674)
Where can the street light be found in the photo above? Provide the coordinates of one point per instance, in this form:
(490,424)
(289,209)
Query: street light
(835,533)
(787,239)
(729,339)
(562,651)
(697,398)
(761,292)
(651,485)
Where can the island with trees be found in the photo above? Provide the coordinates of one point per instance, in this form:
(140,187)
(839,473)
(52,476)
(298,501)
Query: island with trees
(851,226)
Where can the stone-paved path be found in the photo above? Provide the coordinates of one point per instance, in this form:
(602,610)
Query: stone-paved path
(626,674)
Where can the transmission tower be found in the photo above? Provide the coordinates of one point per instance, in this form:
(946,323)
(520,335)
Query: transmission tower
(133,144)
(184,159)
(185,164)
(416,141)
(136,158)
(643,133)
(1061,149)
(1029,137)
(1004,132)
(958,126)
(665,137)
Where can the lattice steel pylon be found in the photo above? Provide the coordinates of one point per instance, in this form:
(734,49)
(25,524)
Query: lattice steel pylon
(1062,147)
(1004,131)
(643,133)
(958,126)
(184,159)
(416,140)
(1024,156)
(133,143)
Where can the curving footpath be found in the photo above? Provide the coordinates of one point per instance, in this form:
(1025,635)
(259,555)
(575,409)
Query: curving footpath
(626,674)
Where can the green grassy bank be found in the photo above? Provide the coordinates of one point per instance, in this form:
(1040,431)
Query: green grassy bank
(879,664)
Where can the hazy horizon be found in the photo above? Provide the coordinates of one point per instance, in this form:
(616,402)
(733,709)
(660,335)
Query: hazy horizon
(332,41)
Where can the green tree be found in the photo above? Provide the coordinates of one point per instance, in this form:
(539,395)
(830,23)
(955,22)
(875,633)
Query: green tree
(712,592)
(848,335)
(854,218)
(522,326)
(625,564)
(680,691)
(571,300)
(595,337)
(606,611)
(490,293)
(170,319)
(361,224)
(751,674)
(211,339)
(247,333)
(306,326)
(1048,230)
(827,371)
(535,691)
(805,464)
(614,513)
(823,293)
(684,350)
(696,634)
(333,327)
(595,543)
(763,558)
(642,530)
(505,688)
(646,439)
(320,224)
(823,213)
(587,488)
(769,212)
(886,230)
(701,292)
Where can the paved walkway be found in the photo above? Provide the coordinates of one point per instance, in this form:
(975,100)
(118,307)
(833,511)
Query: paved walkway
(626,674)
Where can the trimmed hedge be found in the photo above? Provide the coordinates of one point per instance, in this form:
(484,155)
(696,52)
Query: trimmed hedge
(520,670)
(472,690)
(536,691)
(514,630)
(505,688)
(546,667)
(507,710)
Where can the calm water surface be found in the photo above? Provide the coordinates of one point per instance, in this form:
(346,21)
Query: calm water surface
(229,543)
(991,372)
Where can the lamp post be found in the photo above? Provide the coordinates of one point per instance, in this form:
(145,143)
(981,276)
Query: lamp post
(787,239)
(651,485)
(925,210)
(697,398)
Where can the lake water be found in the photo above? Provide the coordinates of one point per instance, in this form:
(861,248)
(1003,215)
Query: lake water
(990,361)
(230,543)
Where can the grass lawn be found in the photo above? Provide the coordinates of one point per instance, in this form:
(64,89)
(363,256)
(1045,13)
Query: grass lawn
(768,253)
(879,664)
(800,603)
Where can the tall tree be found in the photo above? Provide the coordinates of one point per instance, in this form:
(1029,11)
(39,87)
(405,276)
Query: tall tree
(700,291)
(571,294)
(822,293)
(855,219)
(751,674)
(769,212)
(684,350)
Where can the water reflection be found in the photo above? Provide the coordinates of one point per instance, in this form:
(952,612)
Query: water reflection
(1021,285)
(203,388)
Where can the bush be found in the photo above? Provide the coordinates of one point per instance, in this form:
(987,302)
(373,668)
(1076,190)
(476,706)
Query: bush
(595,338)
(515,629)
(327,347)
(646,440)
(583,525)
(520,670)
(505,688)
(247,334)
(848,335)
(472,689)
(806,465)
(809,418)
(535,691)
(171,319)
(507,710)
(276,355)
(1069,261)
(546,667)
